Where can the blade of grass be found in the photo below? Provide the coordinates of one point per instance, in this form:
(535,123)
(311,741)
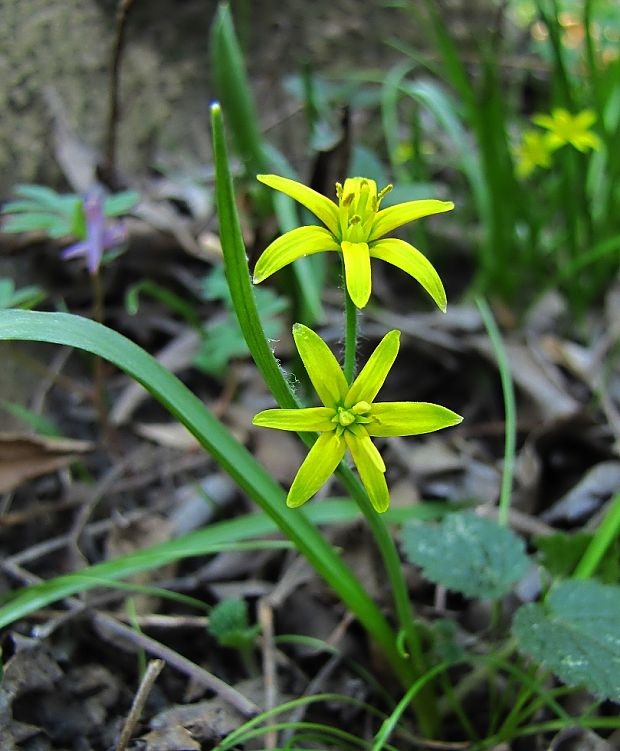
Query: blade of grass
(607,531)
(228,534)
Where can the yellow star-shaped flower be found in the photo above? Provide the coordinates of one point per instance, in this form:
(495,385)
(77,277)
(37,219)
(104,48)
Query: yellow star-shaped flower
(350,417)
(355,227)
(573,129)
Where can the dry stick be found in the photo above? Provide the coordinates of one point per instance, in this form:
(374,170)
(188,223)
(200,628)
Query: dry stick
(107,623)
(246,707)
(146,684)
(109,165)
(265,618)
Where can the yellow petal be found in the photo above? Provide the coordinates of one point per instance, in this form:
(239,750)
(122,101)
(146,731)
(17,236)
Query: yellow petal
(311,418)
(395,216)
(364,454)
(289,247)
(357,271)
(585,119)
(323,368)
(318,204)
(409,418)
(322,460)
(545,121)
(412,262)
(367,384)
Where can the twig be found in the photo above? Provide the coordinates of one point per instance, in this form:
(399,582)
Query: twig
(109,165)
(265,618)
(246,707)
(148,679)
(107,623)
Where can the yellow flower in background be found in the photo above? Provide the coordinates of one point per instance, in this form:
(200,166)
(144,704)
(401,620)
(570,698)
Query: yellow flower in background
(533,151)
(565,128)
(355,227)
(349,418)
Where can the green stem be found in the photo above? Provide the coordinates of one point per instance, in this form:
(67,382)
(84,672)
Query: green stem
(350,332)
(425,704)
(510,408)
(237,273)
(99,374)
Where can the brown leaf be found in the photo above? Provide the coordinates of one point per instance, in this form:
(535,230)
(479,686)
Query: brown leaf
(23,457)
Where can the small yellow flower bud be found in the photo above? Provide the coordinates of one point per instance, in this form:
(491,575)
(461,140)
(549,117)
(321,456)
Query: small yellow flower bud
(345,418)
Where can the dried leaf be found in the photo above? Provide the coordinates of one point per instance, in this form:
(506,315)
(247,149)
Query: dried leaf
(24,457)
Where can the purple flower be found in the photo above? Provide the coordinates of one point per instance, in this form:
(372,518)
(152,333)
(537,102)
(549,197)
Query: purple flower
(101,234)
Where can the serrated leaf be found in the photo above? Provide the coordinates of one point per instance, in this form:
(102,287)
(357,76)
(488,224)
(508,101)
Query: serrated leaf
(468,554)
(576,633)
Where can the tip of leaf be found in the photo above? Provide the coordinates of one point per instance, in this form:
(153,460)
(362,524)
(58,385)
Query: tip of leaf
(215,107)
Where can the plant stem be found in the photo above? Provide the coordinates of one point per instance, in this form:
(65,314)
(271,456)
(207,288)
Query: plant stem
(510,408)
(350,332)
(424,703)
(109,166)
(99,374)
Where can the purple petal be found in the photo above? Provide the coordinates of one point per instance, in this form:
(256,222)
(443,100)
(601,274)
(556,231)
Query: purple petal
(75,250)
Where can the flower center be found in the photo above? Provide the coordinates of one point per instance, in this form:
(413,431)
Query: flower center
(358,203)
(346,418)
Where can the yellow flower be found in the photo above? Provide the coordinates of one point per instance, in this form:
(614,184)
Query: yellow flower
(349,418)
(533,151)
(566,128)
(355,227)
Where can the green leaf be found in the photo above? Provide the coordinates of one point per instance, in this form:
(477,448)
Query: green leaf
(120,203)
(229,624)
(233,457)
(46,198)
(561,552)
(468,554)
(33,221)
(576,633)
(26,297)
(233,91)
(38,423)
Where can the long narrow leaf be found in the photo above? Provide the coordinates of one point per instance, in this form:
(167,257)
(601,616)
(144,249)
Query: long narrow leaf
(74,331)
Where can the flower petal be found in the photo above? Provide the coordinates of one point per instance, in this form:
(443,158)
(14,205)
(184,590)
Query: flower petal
(318,204)
(289,247)
(409,418)
(395,216)
(412,262)
(545,121)
(357,271)
(367,384)
(323,368)
(75,250)
(364,454)
(322,460)
(585,119)
(311,418)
